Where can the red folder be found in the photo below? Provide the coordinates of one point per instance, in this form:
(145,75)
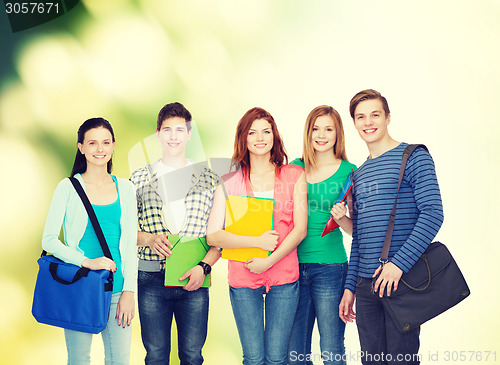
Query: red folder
(331,224)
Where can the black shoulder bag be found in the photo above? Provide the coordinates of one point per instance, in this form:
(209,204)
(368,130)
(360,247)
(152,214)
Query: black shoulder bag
(433,285)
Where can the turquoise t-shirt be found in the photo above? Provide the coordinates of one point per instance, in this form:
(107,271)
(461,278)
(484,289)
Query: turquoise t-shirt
(109,219)
(321,197)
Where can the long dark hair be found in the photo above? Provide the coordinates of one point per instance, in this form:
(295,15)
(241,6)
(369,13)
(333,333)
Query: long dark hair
(80,165)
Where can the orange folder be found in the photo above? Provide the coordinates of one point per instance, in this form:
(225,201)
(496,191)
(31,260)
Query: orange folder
(247,216)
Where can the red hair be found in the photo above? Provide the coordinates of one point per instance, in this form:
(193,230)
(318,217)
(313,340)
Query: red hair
(241,154)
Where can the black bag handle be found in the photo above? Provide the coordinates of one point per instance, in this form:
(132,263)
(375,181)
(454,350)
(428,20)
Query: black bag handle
(92,216)
(82,272)
(388,236)
(424,257)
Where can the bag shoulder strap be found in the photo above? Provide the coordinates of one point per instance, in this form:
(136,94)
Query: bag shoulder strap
(388,236)
(92,216)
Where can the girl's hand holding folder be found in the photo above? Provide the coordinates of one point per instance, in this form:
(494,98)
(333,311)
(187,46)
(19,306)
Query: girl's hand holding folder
(268,241)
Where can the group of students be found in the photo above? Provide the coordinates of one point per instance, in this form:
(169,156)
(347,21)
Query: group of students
(276,300)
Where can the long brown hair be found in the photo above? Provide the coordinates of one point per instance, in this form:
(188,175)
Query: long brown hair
(309,155)
(241,154)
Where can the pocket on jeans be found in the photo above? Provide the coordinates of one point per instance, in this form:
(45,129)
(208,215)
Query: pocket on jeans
(144,277)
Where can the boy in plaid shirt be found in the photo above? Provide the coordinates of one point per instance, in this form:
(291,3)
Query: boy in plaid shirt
(180,206)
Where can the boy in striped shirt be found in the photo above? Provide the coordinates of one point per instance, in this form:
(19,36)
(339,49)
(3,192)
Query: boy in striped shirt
(418,219)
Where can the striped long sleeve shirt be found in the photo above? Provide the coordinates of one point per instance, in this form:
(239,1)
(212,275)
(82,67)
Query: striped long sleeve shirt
(419,213)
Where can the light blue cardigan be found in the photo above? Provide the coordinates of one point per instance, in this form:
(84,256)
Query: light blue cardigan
(67,209)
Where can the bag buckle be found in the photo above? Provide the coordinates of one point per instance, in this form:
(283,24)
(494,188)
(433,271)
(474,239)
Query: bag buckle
(383,262)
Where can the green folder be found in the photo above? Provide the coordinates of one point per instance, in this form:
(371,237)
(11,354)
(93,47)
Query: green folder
(186,254)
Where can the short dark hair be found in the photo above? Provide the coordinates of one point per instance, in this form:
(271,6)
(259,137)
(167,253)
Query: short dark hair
(173,110)
(368,94)
(80,164)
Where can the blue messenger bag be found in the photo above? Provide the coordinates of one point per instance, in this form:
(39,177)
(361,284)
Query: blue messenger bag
(70,296)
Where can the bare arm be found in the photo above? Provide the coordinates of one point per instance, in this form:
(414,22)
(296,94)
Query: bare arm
(125,310)
(346,311)
(297,234)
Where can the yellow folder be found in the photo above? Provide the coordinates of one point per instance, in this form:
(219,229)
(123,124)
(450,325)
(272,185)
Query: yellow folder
(186,254)
(247,216)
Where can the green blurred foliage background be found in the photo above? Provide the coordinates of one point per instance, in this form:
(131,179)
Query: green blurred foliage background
(436,62)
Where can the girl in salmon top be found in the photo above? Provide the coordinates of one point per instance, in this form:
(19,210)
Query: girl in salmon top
(263,291)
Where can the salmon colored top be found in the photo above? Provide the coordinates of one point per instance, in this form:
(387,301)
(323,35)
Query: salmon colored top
(286,270)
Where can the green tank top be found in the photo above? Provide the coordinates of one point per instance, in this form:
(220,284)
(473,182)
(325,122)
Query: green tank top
(320,199)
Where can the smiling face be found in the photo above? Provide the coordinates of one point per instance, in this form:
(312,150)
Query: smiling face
(260,138)
(371,121)
(173,136)
(323,135)
(97,146)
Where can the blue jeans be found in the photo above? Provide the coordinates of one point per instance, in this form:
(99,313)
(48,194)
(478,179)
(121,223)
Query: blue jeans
(377,333)
(265,321)
(116,341)
(157,305)
(321,289)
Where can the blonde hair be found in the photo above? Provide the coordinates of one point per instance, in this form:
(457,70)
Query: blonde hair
(309,155)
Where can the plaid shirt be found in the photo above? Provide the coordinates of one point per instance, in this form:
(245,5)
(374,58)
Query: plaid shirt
(149,205)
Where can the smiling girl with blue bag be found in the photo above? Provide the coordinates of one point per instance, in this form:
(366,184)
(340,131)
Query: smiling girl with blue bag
(113,201)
